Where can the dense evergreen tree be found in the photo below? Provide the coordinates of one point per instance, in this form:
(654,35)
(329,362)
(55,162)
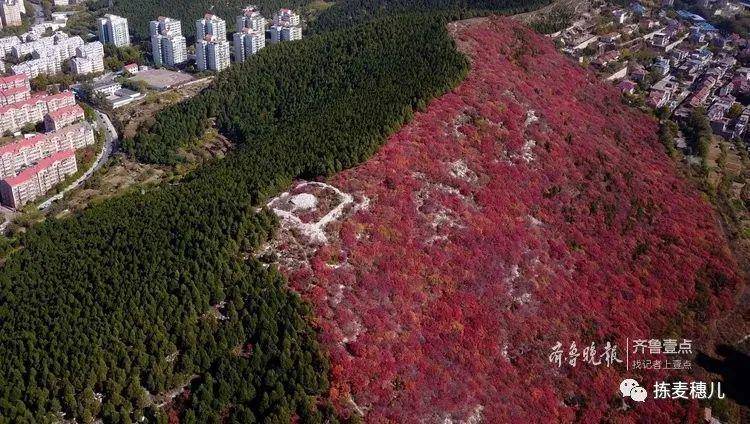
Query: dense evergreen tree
(351,12)
(126,295)
(342,13)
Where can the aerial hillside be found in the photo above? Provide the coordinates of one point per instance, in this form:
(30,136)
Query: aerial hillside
(525,207)
(115,311)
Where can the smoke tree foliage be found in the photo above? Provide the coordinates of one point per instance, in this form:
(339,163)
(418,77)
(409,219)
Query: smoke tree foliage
(527,206)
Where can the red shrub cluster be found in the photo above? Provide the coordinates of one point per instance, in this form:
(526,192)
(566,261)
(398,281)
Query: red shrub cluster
(526,207)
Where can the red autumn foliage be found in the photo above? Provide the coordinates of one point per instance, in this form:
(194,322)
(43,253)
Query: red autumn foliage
(525,207)
(177,406)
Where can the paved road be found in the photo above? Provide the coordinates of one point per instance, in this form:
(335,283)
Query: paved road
(110,140)
(38,12)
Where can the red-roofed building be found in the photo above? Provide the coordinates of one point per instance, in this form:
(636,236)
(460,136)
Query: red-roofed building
(36,180)
(14,95)
(607,58)
(12,81)
(131,68)
(658,98)
(32,110)
(60,100)
(627,87)
(700,97)
(14,88)
(25,152)
(59,118)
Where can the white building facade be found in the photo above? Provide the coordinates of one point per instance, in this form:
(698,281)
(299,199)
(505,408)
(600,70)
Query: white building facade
(114,29)
(251,18)
(211,25)
(168,45)
(248,42)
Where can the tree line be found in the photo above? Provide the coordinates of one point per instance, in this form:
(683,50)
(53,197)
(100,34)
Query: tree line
(341,14)
(351,12)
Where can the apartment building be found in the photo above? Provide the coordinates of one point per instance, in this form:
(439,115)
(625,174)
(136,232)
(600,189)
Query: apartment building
(280,33)
(211,47)
(35,67)
(30,46)
(10,12)
(250,18)
(247,42)
(7,43)
(14,116)
(113,29)
(89,59)
(291,33)
(57,119)
(59,52)
(36,180)
(286,17)
(20,154)
(174,50)
(211,54)
(14,81)
(211,25)
(14,89)
(286,27)
(168,46)
(91,50)
(59,100)
(48,54)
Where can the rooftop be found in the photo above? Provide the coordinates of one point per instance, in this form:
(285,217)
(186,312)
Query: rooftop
(33,170)
(34,99)
(73,109)
(13,78)
(19,144)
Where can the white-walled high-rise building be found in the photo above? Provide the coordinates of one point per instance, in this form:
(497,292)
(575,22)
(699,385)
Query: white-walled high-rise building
(10,11)
(168,46)
(248,42)
(286,27)
(291,33)
(212,54)
(164,24)
(251,18)
(211,47)
(211,25)
(274,34)
(113,29)
(217,55)
(286,17)
(173,50)
(284,33)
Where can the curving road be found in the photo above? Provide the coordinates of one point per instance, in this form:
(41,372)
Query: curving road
(110,140)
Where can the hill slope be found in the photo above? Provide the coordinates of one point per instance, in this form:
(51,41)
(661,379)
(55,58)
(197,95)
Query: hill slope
(134,296)
(526,207)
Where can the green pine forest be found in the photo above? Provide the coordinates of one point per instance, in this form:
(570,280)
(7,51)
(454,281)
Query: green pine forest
(146,292)
(322,15)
